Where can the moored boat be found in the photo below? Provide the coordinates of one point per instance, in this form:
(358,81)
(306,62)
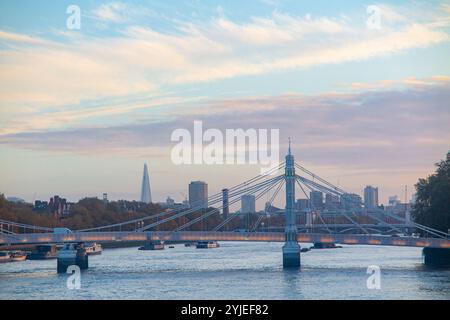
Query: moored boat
(93,248)
(153,245)
(207,244)
(322,245)
(43,252)
(18,256)
(72,254)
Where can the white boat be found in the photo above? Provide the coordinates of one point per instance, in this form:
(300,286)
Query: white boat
(93,248)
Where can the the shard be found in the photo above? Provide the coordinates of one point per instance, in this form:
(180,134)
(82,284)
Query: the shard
(146,194)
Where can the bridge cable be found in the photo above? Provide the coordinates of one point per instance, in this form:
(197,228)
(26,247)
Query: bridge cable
(187,212)
(212,199)
(270,182)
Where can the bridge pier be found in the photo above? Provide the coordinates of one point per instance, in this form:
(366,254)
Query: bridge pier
(436,257)
(291,248)
(291,255)
(72,254)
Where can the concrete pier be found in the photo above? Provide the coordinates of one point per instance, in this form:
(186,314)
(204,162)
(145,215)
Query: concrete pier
(291,255)
(72,254)
(436,257)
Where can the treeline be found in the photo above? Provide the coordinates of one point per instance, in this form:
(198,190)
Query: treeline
(87,213)
(91,213)
(23,213)
(432,206)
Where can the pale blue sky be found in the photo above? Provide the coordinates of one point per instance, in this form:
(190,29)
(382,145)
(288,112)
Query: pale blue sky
(81,110)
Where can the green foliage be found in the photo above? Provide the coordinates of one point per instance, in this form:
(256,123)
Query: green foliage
(432,207)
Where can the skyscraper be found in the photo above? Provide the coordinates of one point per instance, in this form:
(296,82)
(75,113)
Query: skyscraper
(370,197)
(351,201)
(146,195)
(198,194)
(225,204)
(331,201)
(302,204)
(316,198)
(248,203)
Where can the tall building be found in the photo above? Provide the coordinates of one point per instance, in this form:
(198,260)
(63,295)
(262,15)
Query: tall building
(146,194)
(316,198)
(331,201)
(370,197)
(198,194)
(248,203)
(302,204)
(351,201)
(225,204)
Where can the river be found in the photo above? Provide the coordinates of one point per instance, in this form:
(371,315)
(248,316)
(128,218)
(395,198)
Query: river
(236,270)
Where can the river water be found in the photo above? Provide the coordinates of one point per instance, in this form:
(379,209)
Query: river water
(236,270)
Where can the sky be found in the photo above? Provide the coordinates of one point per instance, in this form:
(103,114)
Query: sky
(364,97)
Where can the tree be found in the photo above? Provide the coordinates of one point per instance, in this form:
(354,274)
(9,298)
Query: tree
(432,207)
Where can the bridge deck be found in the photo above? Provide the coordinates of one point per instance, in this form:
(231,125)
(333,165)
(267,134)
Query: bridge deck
(37,238)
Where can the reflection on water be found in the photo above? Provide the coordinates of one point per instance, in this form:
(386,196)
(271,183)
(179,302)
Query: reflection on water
(233,271)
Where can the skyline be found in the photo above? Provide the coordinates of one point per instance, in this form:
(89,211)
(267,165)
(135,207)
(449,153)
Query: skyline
(145,181)
(363,107)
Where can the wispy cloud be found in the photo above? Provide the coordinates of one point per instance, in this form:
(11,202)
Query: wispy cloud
(118,12)
(366,129)
(6,37)
(39,75)
(111,12)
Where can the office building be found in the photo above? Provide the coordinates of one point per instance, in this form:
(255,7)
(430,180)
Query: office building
(351,201)
(316,198)
(248,203)
(370,197)
(302,204)
(331,202)
(198,194)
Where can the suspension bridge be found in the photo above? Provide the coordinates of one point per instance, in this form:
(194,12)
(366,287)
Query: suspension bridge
(377,227)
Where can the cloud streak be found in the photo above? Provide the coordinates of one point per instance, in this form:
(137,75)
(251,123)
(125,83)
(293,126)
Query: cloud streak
(369,129)
(38,74)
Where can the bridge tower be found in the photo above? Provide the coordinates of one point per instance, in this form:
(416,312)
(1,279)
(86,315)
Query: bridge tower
(291,248)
